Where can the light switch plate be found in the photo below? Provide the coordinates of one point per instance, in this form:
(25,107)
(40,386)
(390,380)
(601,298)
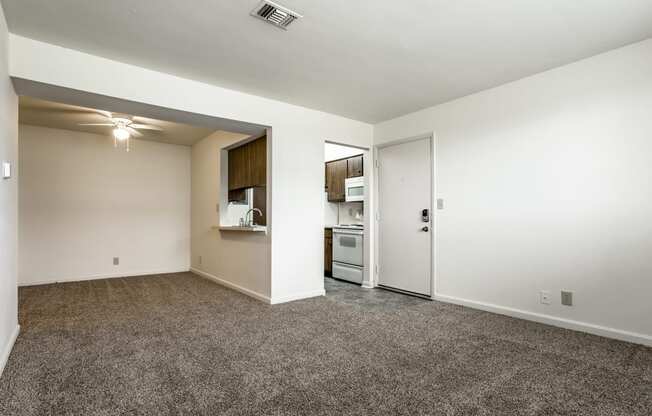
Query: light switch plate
(544,297)
(6,170)
(440,203)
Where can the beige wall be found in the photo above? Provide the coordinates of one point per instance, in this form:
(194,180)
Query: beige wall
(8,203)
(83,202)
(238,259)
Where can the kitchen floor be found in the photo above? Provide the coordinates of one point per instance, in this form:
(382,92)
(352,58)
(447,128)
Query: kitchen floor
(354,294)
(180,344)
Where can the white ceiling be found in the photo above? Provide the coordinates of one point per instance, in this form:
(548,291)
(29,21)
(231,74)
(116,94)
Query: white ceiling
(370,60)
(43,113)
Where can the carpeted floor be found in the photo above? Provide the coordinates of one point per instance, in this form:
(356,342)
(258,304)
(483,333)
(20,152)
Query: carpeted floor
(179,344)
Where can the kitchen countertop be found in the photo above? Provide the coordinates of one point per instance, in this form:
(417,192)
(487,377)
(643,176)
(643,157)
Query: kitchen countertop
(252,229)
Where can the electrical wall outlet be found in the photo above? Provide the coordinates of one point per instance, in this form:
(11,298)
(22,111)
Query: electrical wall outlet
(544,297)
(566,298)
(116,261)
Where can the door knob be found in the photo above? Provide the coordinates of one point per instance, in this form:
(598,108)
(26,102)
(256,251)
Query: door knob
(425,229)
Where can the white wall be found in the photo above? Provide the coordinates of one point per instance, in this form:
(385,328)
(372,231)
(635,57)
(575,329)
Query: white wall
(297,152)
(8,203)
(546,183)
(237,259)
(335,151)
(83,202)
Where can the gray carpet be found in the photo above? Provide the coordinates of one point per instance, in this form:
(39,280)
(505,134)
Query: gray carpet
(179,344)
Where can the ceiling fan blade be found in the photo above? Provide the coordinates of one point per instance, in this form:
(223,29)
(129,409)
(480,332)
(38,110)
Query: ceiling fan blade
(63,111)
(139,119)
(134,132)
(96,124)
(145,127)
(106,114)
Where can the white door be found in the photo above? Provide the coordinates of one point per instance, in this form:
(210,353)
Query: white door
(405,240)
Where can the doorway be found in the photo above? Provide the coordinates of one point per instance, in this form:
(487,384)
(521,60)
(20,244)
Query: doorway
(346,225)
(405,216)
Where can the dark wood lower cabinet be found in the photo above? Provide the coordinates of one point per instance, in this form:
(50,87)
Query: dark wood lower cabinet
(328,252)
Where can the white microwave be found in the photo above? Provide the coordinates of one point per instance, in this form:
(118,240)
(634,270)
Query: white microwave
(354,188)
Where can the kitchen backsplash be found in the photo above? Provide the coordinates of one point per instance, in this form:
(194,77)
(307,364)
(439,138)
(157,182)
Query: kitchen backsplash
(342,212)
(330,212)
(351,213)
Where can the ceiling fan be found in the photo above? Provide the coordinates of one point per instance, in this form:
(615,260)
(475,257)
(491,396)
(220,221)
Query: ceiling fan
(123,127)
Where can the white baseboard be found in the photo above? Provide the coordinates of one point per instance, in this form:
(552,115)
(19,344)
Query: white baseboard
(103,276)
(297,296)
(603,331)
(256,295)
(230,285)
(7,350)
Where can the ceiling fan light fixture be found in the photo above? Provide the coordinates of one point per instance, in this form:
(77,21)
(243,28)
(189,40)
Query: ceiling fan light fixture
(120,133)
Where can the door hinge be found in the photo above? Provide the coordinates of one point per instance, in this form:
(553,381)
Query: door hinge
(377,163)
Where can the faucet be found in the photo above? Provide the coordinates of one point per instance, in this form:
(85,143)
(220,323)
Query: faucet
(252,222)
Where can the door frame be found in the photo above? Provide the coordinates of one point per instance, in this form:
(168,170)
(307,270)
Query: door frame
(432,137)
(367,173)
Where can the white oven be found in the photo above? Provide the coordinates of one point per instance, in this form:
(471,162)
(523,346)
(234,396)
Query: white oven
(348,255)
(354,188)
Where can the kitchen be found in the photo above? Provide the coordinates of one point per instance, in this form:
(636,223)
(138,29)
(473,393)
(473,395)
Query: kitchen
(344,209)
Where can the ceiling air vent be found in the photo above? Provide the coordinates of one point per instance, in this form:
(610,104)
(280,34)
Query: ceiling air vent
(275,14)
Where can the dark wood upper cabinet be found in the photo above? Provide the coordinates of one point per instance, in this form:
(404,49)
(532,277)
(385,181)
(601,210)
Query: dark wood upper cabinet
(258,154)
(248,165)
(335,177)
(239,171)
(336,173)
(330,177)
(248,169)
(354,167)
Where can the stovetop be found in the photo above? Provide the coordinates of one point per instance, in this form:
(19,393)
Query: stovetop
(350,226)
